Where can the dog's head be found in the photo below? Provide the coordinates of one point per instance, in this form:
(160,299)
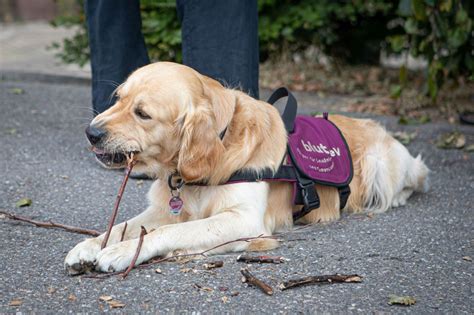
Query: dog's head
(170,117)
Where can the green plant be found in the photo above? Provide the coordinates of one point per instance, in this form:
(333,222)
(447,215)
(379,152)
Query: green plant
(442,33)
(74,50)
(340,28)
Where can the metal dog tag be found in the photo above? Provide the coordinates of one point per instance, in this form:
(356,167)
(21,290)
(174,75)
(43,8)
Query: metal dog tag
(176,204)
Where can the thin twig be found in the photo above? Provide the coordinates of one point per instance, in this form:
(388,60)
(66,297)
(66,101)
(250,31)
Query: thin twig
(137,253)
(261,259)
(123,232)
(251,279)
(128,170)
(323,279)
(50,224)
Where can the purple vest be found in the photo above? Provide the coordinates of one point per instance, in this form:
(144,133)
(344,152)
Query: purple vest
(320,152)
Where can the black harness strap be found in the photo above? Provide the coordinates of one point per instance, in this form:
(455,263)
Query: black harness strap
(284,173)
(291,107)
(306,194)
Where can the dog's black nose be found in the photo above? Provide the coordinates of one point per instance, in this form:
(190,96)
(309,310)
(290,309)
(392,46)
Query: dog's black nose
(94,134)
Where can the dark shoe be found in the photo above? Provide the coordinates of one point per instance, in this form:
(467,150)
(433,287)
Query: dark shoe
(467,118)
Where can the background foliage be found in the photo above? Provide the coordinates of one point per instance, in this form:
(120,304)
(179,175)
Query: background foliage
(441,32)
(348,31)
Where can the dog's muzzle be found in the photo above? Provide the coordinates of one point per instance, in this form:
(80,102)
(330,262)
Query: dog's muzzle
(96,137)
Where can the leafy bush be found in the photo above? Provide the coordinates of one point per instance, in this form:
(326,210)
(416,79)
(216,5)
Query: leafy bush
(344,29)
(439,31)
(353,31)
(347,30)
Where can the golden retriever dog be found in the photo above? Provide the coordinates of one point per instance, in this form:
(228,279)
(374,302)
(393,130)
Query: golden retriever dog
(172,118)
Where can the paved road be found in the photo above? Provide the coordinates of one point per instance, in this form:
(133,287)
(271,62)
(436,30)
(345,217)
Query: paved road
(415,250)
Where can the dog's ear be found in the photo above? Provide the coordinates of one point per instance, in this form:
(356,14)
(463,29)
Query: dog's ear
(201,147)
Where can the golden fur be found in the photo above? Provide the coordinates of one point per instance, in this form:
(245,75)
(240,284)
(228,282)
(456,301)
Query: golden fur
(188,112)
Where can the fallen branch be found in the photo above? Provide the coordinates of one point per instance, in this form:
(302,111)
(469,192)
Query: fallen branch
(137,253)
(128,170)
(251,279)
(324,279)
(261,259)
(50,224)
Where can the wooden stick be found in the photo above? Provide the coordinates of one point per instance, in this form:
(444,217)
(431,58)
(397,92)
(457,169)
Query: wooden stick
(260,259)
(323,279)
(123,232)
(137,253)
(213,264)
(128,170)
(50,224)
(251,279)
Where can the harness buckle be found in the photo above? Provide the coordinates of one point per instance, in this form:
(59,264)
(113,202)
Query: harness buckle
(310,197)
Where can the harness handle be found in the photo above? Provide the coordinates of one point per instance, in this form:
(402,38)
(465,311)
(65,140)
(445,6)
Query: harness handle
(291,107)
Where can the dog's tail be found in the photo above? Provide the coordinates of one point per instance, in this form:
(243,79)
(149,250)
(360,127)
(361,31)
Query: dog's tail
(379,192)
(418,177)
(388,170)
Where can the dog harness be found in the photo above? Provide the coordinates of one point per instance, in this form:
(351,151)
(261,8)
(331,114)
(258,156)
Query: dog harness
(317,153)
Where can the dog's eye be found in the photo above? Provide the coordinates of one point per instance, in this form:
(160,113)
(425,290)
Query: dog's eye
(141,114)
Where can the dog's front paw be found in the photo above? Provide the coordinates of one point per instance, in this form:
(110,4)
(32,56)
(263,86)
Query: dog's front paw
(82,257)
(118,257)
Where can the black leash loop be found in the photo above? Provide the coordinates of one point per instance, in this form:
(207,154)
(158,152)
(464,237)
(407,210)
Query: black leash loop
(291,107)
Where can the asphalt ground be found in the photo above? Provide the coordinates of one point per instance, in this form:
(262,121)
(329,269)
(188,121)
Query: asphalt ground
(421,250)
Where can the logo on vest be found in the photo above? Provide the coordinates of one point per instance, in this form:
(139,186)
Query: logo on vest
(321,148)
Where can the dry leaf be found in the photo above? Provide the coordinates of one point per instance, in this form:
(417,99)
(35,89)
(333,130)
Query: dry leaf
(17,91)
(72,297)
(15,302)
(115,304)
(24,202)
(451,140)
(225,299)
(51,290)
(186,270)
(404,137)
(105,298)
(401,300)
(467,258)
(11,131)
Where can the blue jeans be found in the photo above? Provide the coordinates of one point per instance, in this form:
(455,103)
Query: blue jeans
(219,39)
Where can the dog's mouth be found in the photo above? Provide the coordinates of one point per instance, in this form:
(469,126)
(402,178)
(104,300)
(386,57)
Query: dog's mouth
(112,159)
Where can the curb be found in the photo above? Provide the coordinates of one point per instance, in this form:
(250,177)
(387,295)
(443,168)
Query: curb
(43,78)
